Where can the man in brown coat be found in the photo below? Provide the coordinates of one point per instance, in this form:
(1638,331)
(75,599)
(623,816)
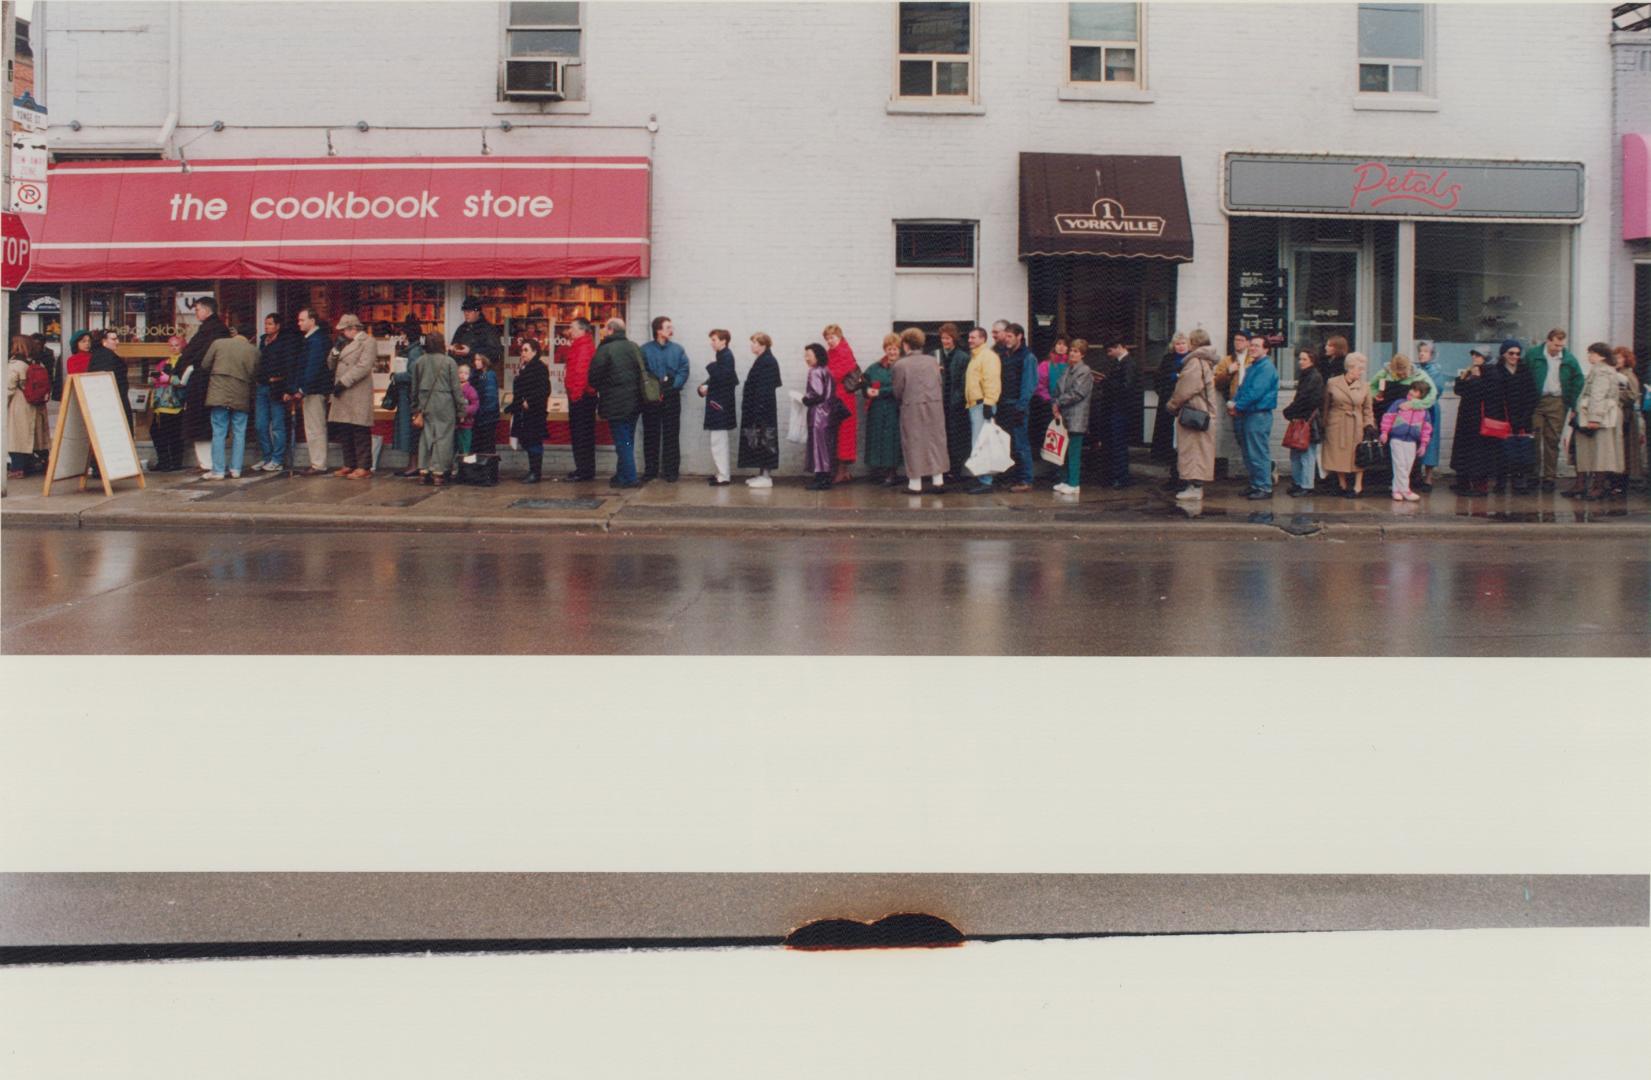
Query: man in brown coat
(352,403)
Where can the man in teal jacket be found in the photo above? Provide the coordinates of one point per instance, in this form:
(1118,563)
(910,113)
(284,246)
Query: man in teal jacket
(1558,379)
(1251,409)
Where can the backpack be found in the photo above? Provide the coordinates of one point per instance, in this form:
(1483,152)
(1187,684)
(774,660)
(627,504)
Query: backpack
(37,385)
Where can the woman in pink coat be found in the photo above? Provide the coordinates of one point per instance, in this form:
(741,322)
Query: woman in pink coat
(839,362)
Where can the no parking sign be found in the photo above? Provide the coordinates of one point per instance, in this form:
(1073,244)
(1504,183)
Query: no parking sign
(28,196)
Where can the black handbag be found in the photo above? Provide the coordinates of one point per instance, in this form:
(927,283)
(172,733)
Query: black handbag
(483,472)
(1193,419)
(1370,454)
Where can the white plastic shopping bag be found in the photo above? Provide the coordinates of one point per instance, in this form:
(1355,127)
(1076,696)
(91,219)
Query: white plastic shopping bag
(991,453)
(797,432)
(1055,442)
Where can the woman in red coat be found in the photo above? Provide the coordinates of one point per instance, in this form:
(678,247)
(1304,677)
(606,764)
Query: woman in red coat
(839,362)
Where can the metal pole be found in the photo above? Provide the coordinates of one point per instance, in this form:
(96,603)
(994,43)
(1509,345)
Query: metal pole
(8,25)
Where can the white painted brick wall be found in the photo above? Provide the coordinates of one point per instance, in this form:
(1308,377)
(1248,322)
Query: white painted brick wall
(778,170)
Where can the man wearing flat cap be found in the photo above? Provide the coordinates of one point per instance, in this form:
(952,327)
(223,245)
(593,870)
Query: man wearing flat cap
(476,342)
(352,398)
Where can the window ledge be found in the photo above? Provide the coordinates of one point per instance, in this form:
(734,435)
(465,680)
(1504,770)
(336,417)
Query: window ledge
(544,108)
(925,107)
(1395,103)
(1132,94)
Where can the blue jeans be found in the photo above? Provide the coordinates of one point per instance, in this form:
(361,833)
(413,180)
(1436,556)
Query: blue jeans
(977,420)
(270,420)
(624,445)
(1255,432)
(1304,466)
(224,419)
(1020,440)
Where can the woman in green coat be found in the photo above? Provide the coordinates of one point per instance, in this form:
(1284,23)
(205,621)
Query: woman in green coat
(883,414)
(438,401)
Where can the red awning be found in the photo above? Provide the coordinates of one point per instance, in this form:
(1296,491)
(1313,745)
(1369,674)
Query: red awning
(346,218)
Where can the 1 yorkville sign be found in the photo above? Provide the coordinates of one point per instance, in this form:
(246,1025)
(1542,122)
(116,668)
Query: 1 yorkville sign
(1108,217)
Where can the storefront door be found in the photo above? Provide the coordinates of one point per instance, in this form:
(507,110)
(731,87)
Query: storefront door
(1098,299)
(1324,294)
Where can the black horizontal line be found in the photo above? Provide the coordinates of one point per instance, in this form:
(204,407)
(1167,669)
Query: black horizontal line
(13,955)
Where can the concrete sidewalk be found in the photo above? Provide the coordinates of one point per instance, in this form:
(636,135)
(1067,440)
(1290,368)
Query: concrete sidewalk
(269,502)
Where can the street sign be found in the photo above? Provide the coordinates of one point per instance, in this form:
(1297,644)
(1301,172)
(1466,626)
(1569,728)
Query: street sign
(28,157)
(19,251)
(28,114)
(28,196)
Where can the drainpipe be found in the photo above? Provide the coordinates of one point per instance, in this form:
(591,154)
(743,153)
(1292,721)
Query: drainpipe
(174,80)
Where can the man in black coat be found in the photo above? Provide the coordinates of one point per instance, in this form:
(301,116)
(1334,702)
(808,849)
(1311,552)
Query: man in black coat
(278,352)
(476,335)
(1117,396)
(105,358)
(197,422)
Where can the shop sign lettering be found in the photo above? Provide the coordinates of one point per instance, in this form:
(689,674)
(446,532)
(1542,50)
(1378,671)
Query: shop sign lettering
(1108,217)
(1349,186)
(1373,178)
(349,206)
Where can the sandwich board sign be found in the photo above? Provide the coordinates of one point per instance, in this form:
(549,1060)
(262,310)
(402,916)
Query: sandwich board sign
(91,426)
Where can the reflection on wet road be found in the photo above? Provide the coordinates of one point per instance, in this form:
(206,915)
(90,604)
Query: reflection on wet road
(90,591)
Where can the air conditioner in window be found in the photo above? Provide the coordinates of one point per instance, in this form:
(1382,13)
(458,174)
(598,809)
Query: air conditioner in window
(536,79)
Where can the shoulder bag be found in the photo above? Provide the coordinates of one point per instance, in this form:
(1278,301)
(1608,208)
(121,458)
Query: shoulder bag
(1493,429)
(1299,434)
(1194,419)
(653,391)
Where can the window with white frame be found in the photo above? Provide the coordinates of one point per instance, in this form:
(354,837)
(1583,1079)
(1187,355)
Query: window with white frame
(1104,44)
(543,41)
(1393,48)
(936,51)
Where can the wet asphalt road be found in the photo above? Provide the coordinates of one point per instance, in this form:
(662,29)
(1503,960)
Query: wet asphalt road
(139,592)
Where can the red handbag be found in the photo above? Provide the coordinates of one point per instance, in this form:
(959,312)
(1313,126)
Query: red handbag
(1493,429)
(1298,436)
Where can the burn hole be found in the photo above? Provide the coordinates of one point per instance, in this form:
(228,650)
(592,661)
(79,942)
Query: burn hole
(911,930)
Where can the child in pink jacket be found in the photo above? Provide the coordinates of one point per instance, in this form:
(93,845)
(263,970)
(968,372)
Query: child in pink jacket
(467,420)
(1407,431)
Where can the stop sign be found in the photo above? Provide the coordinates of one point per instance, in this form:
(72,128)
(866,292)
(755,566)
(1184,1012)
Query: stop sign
(19,251)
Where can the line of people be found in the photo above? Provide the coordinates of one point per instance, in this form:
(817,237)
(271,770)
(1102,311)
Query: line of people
(924,413)
(1510,425)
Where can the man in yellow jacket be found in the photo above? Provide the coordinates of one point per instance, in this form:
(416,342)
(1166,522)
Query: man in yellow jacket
(982,386)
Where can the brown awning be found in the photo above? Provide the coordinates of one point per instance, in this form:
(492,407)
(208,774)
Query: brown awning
(1104,204)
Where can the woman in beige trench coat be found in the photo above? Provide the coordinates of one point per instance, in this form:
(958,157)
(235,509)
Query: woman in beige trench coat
(1598,435)
(1195,450)
(25,423)
(1347,414)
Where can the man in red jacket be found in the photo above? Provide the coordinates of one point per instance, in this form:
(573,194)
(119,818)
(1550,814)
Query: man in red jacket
(581,401)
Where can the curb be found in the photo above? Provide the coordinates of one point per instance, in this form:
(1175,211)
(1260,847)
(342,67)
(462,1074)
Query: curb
(651,521)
